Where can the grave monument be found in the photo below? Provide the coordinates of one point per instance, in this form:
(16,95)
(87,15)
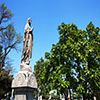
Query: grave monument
(25,82)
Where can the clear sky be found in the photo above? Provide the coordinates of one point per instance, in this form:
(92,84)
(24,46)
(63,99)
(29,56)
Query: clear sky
(46,15)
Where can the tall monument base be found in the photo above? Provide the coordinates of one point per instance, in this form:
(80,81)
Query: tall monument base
(24,85)
(24,93)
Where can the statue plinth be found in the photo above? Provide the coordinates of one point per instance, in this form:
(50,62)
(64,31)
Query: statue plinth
(24,79)
(24,84)
(25,67)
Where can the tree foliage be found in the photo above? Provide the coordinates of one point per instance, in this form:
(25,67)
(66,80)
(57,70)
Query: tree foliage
(9,40)
(74,62)
(5,83)
(42,76)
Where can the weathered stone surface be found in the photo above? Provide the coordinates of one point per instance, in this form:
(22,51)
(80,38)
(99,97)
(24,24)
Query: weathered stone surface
(20,97)
(24,79)
(24,67)
(25,82)
(28,43)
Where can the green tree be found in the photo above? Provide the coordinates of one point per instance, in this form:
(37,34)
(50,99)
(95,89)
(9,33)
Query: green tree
(9,40)
(42,76)
(5,81)
(74,62)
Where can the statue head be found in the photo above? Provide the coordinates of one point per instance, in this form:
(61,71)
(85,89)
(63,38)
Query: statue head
(29,21)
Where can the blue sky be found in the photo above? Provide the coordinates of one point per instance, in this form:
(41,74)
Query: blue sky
(46,15)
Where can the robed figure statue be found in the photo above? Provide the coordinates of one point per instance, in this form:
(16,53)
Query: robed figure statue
(28,43)
(25,81)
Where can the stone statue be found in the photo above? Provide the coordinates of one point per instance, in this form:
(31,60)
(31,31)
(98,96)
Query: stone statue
(25,81)
(28,43)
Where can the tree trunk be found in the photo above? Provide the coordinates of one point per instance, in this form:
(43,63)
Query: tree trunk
(69,94)
(84,97)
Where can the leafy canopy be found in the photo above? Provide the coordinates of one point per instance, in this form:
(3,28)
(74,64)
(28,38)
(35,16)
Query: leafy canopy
(9,39)
(73,63)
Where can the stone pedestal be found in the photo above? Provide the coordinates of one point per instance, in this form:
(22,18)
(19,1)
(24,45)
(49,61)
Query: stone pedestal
(24,93)
(24,85)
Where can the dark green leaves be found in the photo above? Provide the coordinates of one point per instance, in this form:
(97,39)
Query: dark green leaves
(74,62)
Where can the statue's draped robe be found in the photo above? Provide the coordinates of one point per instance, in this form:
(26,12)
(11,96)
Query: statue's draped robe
(28,44)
